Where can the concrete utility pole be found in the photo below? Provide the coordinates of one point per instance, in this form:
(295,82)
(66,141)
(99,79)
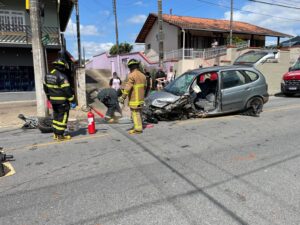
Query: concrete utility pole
(38,57)
(160,34)
(116,24)
(231,22)
(78,32)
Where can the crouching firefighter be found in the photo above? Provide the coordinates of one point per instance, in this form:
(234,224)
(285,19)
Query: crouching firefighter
(109,97)
(59,92)
(135,88)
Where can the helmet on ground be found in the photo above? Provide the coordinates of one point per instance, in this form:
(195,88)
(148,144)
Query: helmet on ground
(133,63)
(60,64)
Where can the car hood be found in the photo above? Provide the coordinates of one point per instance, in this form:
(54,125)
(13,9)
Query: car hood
(160,99)
(293,75)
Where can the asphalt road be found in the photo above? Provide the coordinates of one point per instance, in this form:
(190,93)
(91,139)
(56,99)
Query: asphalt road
(224,170)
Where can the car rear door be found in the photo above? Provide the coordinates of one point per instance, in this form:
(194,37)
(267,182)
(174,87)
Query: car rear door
(235,88)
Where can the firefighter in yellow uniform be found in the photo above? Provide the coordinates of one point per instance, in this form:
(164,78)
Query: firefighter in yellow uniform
(135,90)
(58,90)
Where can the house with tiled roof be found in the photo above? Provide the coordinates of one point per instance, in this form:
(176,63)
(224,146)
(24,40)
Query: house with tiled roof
(199,33)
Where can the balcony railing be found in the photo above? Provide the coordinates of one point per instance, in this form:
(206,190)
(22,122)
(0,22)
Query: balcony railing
(191,53)
(21,34)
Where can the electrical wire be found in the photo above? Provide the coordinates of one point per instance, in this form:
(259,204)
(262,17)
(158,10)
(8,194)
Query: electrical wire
(248,11)
(274,4)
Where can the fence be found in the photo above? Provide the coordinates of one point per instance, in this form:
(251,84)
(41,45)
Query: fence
(190,53)
(21,34)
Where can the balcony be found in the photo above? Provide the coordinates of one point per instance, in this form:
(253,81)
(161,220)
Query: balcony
(21,34)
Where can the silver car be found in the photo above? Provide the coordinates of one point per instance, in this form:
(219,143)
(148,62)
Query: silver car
(210,91)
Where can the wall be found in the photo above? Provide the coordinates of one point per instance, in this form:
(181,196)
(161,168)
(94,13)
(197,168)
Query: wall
(273,72)
(170,41)
(16,57)
(50,18)
(104,61)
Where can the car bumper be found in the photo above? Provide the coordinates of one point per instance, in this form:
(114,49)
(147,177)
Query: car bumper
(266,98)
(285,88)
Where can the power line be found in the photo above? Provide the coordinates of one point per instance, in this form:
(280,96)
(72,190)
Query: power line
(248,11)
(275,4)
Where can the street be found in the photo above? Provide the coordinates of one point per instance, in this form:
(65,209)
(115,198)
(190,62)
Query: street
(224,170)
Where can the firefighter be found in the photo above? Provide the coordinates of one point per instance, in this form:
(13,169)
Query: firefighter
(135,89)
(109,97)
(59,92)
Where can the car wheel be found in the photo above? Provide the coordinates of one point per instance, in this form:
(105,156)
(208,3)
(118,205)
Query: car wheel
(254,107)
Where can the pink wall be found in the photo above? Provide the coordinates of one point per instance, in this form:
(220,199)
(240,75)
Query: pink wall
(104,61)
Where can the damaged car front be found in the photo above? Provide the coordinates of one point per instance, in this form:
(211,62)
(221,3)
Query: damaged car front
(173,101)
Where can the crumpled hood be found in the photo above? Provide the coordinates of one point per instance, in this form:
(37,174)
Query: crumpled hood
(293,75)
(160,99)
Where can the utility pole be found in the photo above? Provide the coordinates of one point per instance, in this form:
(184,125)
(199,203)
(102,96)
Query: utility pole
(160,34)
(38,57)
(78,32)
(231,22)
(116,24)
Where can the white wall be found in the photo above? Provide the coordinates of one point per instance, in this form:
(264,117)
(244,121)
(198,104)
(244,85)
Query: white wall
(170,41)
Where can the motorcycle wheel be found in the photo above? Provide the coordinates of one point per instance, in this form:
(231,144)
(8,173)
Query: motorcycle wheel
(45,124)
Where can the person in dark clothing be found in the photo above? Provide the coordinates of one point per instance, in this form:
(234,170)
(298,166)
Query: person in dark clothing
(59,91)
(149,83)
(109,97)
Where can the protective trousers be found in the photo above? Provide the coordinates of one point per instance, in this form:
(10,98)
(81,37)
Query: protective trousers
(60,118)
(137,119)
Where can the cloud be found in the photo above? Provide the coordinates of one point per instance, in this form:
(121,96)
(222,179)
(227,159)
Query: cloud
(275,21)
(93,48)
(139,3)
(137,19)
(85,30)
(105,13)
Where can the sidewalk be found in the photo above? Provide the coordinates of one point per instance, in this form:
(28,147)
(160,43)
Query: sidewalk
(10,110)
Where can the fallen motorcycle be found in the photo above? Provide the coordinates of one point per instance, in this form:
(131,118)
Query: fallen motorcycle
(44,124)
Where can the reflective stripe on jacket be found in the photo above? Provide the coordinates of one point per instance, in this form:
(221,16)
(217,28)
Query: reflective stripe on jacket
(135,89)
(57,88)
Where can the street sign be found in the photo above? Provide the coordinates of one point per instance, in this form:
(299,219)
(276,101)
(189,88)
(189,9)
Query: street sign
(46,39)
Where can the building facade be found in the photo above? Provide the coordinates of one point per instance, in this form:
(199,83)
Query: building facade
(16,61)
(199,33)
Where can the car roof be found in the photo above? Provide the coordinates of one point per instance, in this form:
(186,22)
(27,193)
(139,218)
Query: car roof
(218,68)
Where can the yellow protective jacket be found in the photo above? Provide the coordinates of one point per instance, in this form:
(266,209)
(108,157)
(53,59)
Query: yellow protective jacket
(135,88)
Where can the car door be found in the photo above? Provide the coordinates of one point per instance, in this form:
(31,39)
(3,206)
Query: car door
(235,88)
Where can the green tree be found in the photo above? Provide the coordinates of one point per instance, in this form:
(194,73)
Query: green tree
(123,48)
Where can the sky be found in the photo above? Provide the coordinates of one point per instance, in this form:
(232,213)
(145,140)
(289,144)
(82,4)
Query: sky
(97,22)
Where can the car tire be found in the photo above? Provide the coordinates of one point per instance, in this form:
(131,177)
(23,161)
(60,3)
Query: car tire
(253,107)
(45,124)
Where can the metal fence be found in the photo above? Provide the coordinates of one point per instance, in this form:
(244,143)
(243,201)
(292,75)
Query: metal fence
(190,53)
(21,34)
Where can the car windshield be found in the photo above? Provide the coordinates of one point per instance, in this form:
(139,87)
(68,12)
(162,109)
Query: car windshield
(250,58)
(181,84)
(296,66)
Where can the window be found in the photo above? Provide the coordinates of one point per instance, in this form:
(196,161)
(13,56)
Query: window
(232,78)
(252,76)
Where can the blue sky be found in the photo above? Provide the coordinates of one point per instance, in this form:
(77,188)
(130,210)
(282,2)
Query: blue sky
(97,19)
